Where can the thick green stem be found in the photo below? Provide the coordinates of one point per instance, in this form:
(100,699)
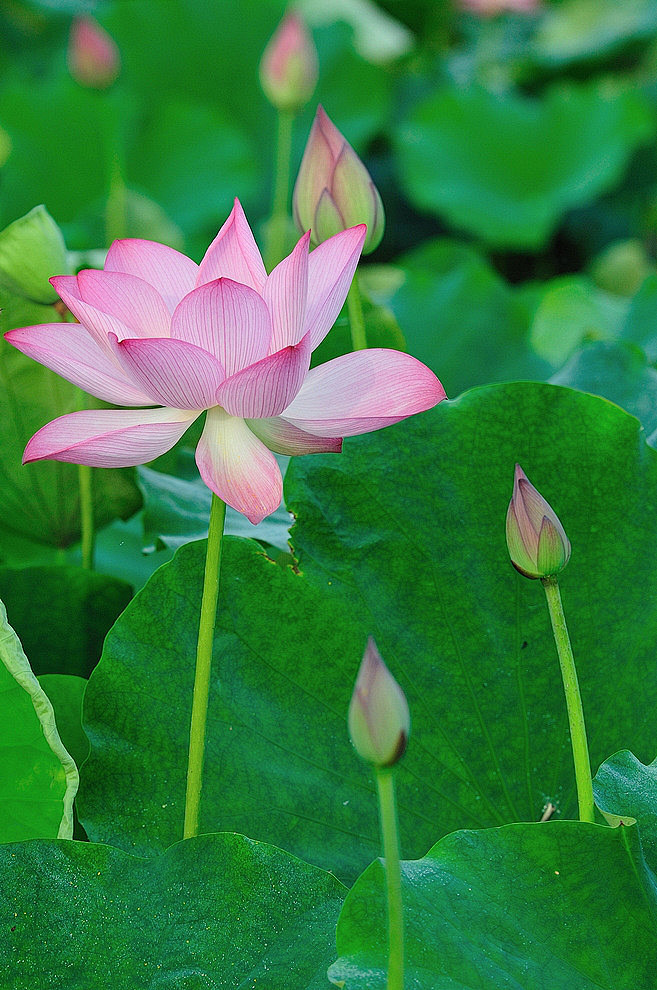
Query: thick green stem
(573,701)
(87,530)
(356,319)
(277,228)
(203,667)
(385,782)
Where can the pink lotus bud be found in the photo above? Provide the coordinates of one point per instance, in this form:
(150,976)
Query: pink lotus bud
(379,720)
(93,56)
(289,69)
(538,545)
(334,190)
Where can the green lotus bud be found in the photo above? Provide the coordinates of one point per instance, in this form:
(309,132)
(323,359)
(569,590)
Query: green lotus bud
(379,720)
(31,250)
(538,545)
(334,190)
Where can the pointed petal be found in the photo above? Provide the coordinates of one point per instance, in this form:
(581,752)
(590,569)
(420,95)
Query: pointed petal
(234,254)
(316,170)
(285,294)
(173,372)
(226,319)
(265,389)
(109,437)
(238,467)
(520,557)
(328,221)
(284,438)
(71,351)
(134,302)
(173,274)
(331,268)
(363,391)
(99,324)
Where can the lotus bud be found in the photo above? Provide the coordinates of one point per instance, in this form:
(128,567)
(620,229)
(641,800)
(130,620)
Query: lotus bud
(289,67)
(538,545)
(31,249)
(93,56)
(379,720)
(334,190)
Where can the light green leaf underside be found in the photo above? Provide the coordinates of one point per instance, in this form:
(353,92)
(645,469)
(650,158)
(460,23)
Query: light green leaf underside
(40,779)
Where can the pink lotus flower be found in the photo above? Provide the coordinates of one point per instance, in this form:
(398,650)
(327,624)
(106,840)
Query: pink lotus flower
(158,330)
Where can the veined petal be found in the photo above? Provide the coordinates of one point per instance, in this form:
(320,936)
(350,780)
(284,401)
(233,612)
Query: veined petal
(315,171)
(109,437)
(265,389)
(363,391)
(331,268)
(174,372)
(226,319)
(234,254)
(99,324)
(285,294)
(173,274)
(134,302)
(284,438)
(237,466)
(71,351)
(328,220)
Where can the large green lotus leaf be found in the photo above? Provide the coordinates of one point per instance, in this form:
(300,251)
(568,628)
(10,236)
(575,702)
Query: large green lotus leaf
(40,500)
(619,372)
(62,614)
(215,911)
(39,779)
(460,318)
(532,906)
(278,763)
(506,167)
(401,536)
(196,51)
(581,30)
(194,160)
(411,522)
(76,175)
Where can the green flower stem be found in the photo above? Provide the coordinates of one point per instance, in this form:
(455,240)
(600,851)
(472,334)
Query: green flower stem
(277,228)
(203,667)
(356,319)
(573,700)
(385,783)
(87,531)
(116,208)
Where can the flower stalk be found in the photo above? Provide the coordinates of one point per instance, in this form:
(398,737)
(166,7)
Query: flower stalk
(356,318)
(202,673)
(573,700)
(278,222)
(379,726)
(385,782)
